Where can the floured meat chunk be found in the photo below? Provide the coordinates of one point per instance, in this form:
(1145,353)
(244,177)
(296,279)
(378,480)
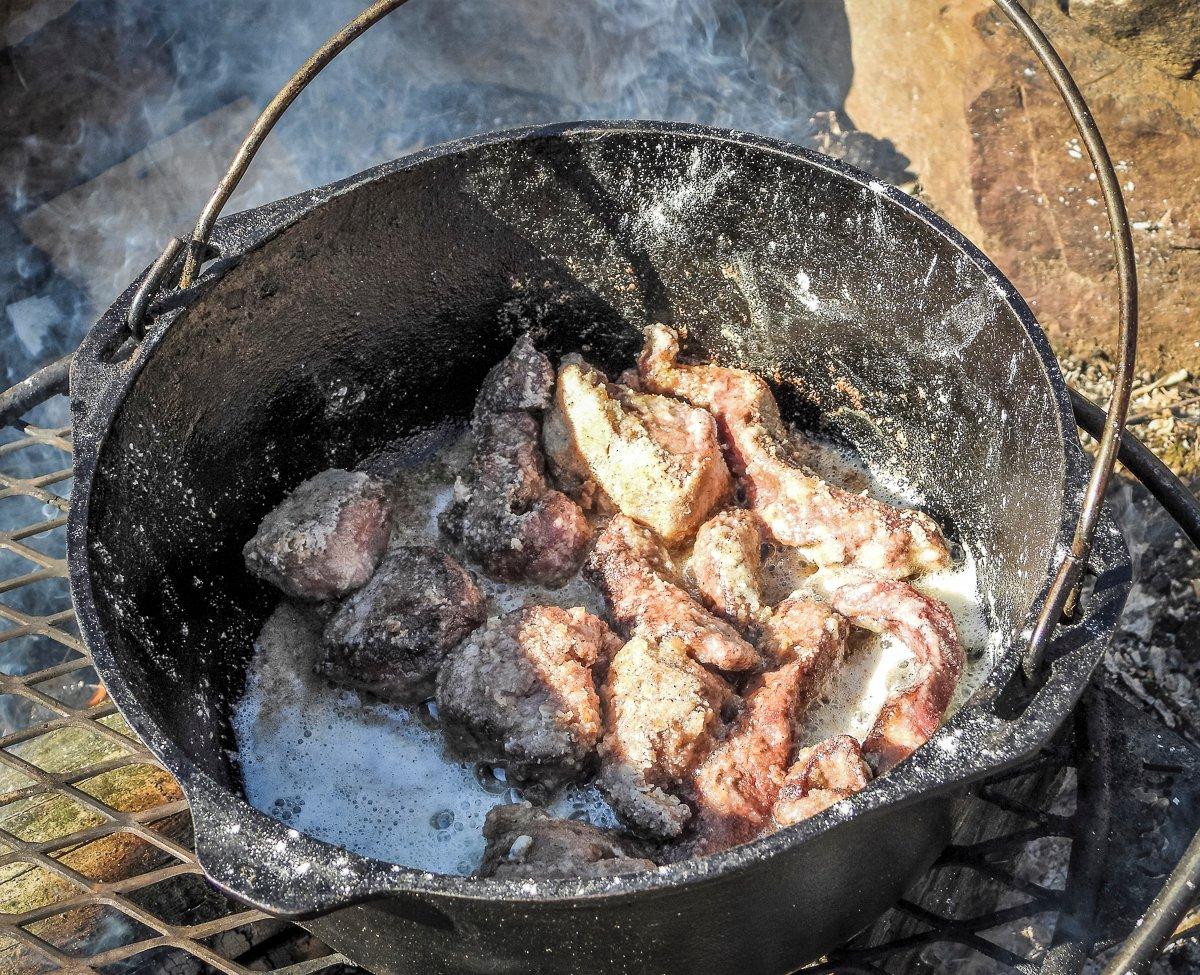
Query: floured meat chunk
(727,565)
(656,458)
(828,772)
(830,525)
(925,626)
(736,787)
(521,690)
(391,636)
(504,513)
(522,381)
(326,537)
(524,842)
(635,574)
(662,713)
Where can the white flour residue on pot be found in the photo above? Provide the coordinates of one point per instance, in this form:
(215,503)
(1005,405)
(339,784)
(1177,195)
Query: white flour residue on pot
(659,221)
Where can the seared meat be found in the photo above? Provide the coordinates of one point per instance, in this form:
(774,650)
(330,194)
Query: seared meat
(662,712)
(830,525)
(522,381)
(925,626)
(567,466)
(634,572)
(736,786)
(504,513)
(521,690)
(325,539)
(656,458)
(727,565)
(391,636)
(828,772)
(525,842)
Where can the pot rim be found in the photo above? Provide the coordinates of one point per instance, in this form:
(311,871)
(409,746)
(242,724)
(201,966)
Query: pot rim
(224,819)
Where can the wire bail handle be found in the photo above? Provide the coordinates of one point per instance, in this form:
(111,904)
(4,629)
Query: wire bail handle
(1062,596)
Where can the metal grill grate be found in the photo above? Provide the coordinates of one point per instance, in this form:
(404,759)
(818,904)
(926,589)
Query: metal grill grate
(96,868)
(97,872)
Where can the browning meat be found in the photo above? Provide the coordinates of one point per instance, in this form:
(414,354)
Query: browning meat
(656,458)
(823,774)
(727,565)
(391,636)
(662,712)
(325,539)
(521,690)
(523,381)
(736,786)
(525,842)
(634,572)
(925,626)
(504,512)
(831,526)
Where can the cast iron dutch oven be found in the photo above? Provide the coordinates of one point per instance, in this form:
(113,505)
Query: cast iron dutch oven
(339,320)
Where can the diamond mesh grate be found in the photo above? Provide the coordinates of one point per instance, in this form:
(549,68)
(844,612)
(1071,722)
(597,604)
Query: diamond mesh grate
(96,862)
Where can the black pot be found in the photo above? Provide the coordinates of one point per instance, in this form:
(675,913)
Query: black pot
(405,284)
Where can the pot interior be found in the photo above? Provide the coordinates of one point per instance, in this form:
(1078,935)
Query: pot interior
(376,314)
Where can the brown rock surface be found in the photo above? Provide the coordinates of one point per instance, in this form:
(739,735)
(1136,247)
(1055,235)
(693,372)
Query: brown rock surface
(964,98)
(1164,32)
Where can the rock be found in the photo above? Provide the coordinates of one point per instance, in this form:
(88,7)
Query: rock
(997,154)
(1163,32)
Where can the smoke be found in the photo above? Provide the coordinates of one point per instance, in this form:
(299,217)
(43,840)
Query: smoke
(120,114)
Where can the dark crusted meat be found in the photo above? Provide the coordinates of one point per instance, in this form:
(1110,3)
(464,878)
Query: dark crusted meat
(522,381)
(823,774)
(727,565)
(655,458)
(831,526)
(925,626)
(391,636)
(662,713)
(325,539)
(736,786)
(521,690)
(525,842)
(634,572)
(504,513)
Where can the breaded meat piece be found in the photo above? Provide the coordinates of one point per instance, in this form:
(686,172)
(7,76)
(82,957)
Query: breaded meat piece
(326,537)
(524,842)
(926,627)
(391,636)
(521,690)
(662,713)
(735,788)
(633,571)
(825,773)
(504,512)
(656,458)
(727,566)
